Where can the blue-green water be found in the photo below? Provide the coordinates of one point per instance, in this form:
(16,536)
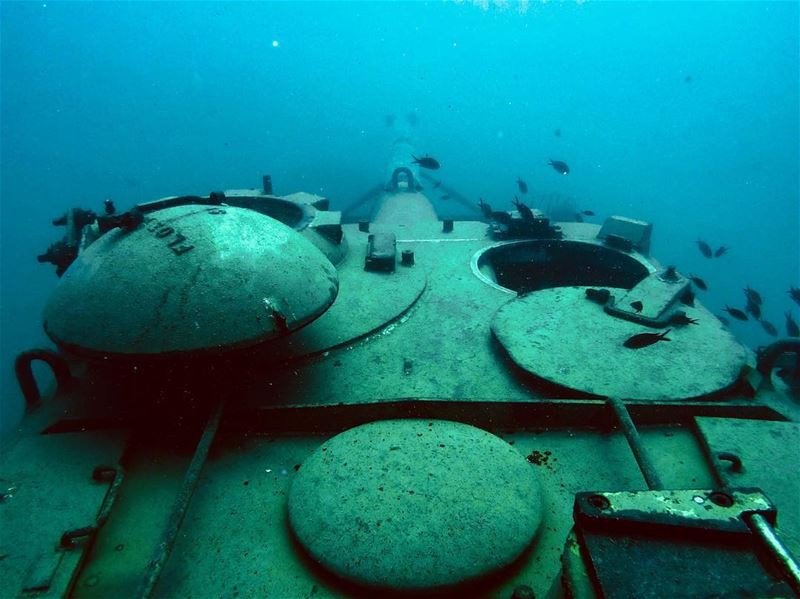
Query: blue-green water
(682,114)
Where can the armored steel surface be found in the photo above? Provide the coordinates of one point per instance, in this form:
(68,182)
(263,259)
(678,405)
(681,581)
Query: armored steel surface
(47,488)
(190,278)
(769,454)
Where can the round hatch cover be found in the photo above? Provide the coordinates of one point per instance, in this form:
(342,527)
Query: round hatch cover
(415,504)
(564,338)
(190,278)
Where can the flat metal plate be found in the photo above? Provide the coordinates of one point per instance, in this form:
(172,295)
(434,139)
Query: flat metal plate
(770,456)
(49,490)
(562,337)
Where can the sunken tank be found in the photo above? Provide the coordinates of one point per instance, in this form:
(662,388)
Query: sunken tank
(255,398)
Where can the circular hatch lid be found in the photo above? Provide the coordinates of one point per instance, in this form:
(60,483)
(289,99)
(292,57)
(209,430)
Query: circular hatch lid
(415,504)
(190,278)
(562,337)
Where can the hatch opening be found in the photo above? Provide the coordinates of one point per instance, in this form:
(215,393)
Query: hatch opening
(527,266)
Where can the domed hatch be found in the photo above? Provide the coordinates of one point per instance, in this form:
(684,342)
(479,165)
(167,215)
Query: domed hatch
(190,278)
(415,505)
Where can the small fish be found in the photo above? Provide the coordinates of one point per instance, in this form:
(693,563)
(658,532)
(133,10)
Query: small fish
(705,249)
(560,166)
(720,251)
(645,339)
(523,187)
(587,212)
(486,209)
(723,320)
(687,79)
(637,305)
(735,312)
(698,282)
(753,295)
(769,328)
(445,197)
(688,297)
(557,132)
(753,308)
(436,184)
(680,319)
(426,162)
(791,326)
(598,295)
(794,293)
(525,212)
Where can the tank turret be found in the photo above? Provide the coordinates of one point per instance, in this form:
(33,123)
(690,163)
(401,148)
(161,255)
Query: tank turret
(257,397)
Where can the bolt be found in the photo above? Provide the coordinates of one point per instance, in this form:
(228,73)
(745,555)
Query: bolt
(599,502)
(523,591)
(721,499)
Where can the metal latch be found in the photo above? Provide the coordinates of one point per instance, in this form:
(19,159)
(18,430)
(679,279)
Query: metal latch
(666,543)
(381,252)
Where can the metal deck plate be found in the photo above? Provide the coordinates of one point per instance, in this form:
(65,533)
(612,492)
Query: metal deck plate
(48,487)
(356,311)
(769,454)
(415,504)
(562,337)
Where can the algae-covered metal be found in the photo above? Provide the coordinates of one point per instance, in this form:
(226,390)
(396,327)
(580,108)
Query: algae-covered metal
(443,407)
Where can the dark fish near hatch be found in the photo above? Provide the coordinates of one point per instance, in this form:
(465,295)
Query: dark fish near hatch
(426,162)
(698,282)
(736,313)
(753,308)
(769,328)
(560,166)
(525,212)
(791,326)
(445,197)
(587,212)
(753,295)
(705,249)
(720,251)
(637,305)
(794,293)
(486,209)
(523,187)
(645,339)
(598,295)
(680,319)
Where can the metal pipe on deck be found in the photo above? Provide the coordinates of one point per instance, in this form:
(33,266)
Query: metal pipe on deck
(635,441)
(164,548)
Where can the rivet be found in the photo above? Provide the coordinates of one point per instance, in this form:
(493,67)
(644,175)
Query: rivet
(721,499)
(599,502)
